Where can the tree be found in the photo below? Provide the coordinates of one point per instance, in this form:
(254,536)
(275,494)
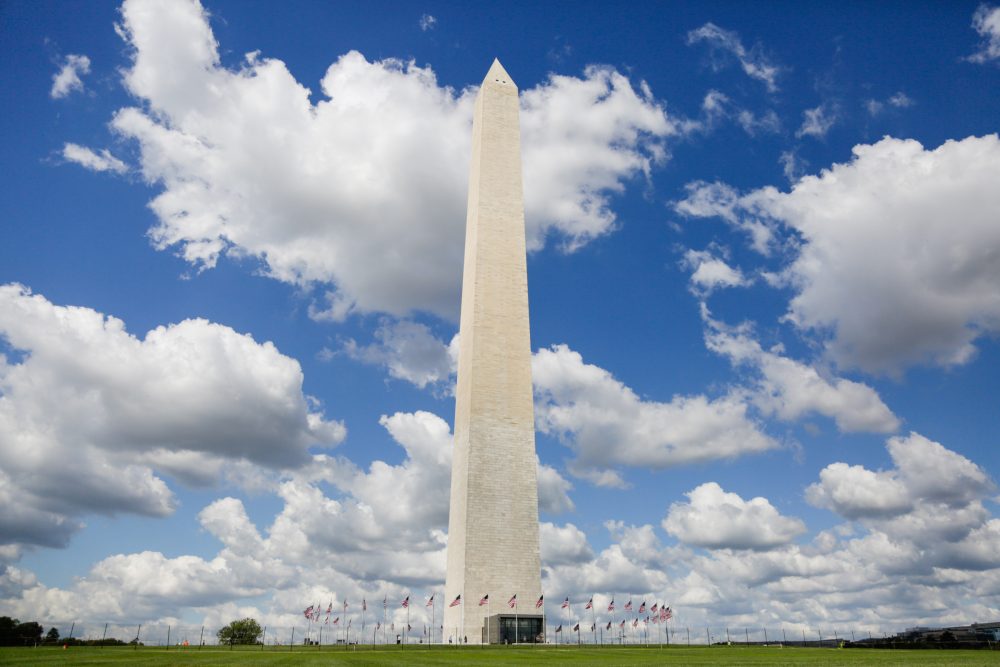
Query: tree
(7,627)
(52,636)
(244,631)
(29,633)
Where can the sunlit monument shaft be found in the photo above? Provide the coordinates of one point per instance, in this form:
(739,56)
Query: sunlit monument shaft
(493,525)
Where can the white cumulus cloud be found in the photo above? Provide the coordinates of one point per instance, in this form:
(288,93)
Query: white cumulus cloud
(709,272)
(427,22)
(87,158)
(67,79)
(817,122)
(752,61)
(928,479)
(986,21)
(855,492)
(409,351)
(897,259)
(716,519)
(791,389)
(84,390)
(607,425)
(362,194)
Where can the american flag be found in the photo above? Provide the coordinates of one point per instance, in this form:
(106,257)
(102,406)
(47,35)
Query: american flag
(593,627)
(559,628)
(378,625)
(635,622)
(611,607)
(565,604)
(512,602)
(364,605)
(336,620)
(457,601)
(642,607)
(609,626)
(538,604)
(576,628)
(668,615)
(430,603)
(628,606)
(385,602)
(484,600)
(308,613)
(622,624)
(345,604)
(406,602)
(590,603)
(654,607)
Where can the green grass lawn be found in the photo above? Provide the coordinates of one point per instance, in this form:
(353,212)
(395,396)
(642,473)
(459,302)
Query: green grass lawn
(422,655)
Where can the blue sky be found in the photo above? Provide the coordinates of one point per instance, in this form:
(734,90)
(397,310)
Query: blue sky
(764,286)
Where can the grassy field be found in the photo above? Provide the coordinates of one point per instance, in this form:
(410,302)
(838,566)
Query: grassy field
(566,655)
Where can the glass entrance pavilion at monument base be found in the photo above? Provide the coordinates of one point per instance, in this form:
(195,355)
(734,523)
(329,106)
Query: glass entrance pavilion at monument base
(511,629)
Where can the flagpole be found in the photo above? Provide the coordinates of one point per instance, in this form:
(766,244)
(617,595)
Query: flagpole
(545,629)
(489,612)
(593,613)
(432,619)
(631,627)
(516,624)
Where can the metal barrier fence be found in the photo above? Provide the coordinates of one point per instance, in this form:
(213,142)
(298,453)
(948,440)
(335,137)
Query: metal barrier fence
(319,636)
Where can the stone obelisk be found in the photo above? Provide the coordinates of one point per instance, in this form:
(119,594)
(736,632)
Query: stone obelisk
(493,525)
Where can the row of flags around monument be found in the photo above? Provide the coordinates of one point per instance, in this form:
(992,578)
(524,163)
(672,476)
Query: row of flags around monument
(658,612)
(485,600)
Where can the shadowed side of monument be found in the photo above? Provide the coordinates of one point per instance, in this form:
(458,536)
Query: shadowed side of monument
(493,525)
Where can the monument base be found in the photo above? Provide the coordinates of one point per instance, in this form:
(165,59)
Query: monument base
(514,629)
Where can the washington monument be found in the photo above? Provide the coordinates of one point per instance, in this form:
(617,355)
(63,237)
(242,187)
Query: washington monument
(493,525)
